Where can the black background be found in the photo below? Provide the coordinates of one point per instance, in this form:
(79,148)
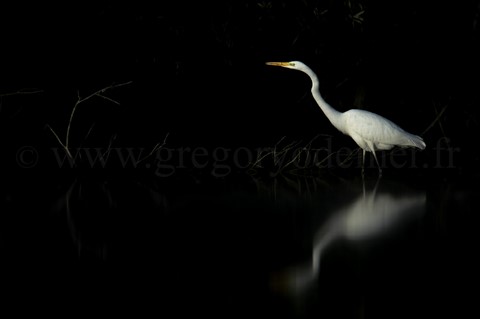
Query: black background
(198,70)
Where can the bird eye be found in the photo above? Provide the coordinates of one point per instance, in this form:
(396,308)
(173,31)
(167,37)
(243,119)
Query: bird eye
(292,64)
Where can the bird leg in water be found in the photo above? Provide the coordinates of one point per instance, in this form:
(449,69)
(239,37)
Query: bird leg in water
(376,160)
(363,163)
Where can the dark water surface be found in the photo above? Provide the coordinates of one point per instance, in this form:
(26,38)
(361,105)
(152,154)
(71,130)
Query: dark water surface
(178,98)
(291,246)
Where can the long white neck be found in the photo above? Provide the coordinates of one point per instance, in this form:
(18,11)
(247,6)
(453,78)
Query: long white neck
(332,114)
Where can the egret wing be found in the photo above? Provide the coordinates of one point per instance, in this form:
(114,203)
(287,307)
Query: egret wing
(379,130)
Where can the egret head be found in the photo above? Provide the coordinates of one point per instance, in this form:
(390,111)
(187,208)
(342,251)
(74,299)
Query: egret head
(296,65)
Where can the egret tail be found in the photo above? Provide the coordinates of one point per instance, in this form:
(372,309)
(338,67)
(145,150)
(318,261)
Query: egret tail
(417,141)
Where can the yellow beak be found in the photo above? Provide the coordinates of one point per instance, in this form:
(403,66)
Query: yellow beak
(284,64)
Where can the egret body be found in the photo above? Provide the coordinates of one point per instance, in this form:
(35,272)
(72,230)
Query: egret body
(369,130)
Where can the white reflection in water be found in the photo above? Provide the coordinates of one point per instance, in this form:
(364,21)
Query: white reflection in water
(371,216)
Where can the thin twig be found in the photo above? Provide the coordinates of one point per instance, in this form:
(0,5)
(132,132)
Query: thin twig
(437,118)
(19,92)
(89,131)
(56,136)
(283,151)
(108,99)
(307,148)
(109,147)
(86,136)
(154,149)
(260,158)
(275,148)
(67,136)
(326,158)
(22,92)
(350,156)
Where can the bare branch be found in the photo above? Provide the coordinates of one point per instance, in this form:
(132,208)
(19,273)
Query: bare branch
(79,101)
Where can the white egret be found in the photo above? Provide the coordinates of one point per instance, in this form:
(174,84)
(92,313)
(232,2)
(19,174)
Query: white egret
(369,130)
